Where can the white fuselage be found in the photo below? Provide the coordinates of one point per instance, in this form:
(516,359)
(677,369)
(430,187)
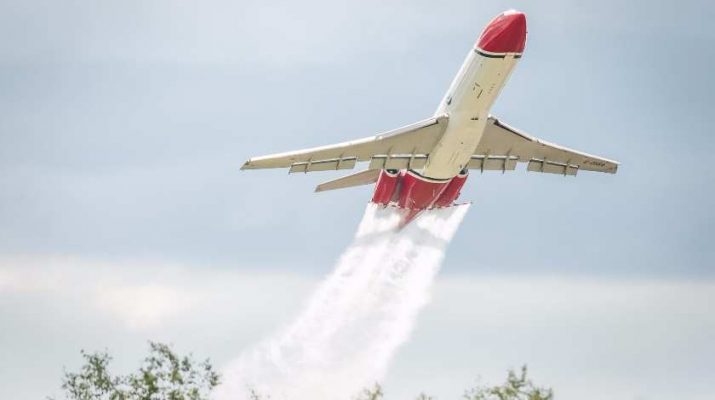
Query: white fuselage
(467,102)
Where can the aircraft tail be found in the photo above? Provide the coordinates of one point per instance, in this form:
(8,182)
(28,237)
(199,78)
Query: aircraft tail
(357,179)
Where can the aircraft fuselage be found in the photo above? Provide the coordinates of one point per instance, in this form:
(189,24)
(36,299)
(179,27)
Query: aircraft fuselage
(467,103)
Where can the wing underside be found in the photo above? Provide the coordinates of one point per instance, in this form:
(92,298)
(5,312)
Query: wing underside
(406,147)
(503,146)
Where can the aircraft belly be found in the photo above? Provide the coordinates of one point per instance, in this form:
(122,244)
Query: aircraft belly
(453,152)
(467,102)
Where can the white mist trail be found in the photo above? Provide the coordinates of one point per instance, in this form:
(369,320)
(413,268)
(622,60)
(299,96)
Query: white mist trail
(351,327)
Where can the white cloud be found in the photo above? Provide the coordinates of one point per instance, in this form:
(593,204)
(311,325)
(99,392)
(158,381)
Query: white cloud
(141,296)
(145,306)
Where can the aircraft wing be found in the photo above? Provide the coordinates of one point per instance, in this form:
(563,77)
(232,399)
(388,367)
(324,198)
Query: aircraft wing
(406,147)
(502,146)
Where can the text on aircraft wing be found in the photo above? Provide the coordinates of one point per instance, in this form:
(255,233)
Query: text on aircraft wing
(502,146)
(406,147)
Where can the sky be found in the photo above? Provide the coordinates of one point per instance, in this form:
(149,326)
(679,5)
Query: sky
(124,216)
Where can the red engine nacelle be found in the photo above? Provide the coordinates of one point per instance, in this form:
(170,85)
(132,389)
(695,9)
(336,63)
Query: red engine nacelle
(418,192)
(408,189)
(452,191)
(385,187)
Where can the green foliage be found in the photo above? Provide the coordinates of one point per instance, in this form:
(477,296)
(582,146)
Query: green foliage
(516,387)
(162,376)
(165,376)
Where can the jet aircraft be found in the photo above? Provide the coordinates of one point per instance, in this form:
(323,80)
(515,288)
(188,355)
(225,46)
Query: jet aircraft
(425,165)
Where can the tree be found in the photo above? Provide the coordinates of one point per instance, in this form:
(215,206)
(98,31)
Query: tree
(516,387)
(165,376)
(375,393)
(162,376)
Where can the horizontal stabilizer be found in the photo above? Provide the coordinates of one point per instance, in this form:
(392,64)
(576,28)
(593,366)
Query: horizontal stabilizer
(357,179)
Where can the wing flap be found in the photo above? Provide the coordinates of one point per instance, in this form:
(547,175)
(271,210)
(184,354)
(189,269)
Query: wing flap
(323,165)
(551,168)
(399,161)
(493,163)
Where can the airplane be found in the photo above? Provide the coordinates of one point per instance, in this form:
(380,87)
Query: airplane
(424,165)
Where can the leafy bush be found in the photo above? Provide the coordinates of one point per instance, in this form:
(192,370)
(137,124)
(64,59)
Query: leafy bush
(165,376)
(162,376)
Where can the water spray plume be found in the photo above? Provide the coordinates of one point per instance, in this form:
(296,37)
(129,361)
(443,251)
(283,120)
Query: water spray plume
(349,330)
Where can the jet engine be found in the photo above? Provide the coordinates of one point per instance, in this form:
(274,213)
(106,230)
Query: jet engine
(386,186)
(410,190)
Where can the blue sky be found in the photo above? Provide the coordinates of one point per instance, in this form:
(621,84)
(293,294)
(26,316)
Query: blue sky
(123,126)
